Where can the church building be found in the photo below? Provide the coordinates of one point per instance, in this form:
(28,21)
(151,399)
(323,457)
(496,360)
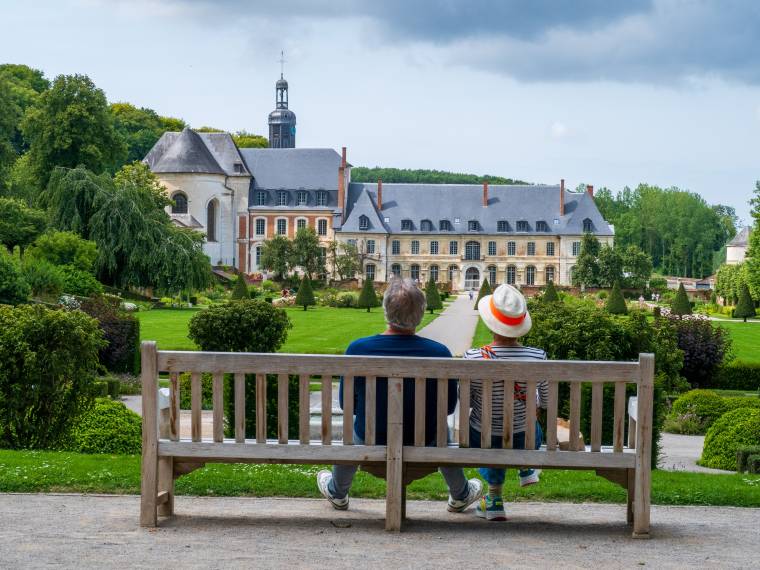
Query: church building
(455,233)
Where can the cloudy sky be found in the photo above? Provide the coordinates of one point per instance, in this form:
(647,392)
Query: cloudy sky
(605,93)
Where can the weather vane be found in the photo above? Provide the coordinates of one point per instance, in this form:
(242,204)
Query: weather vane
(282,64)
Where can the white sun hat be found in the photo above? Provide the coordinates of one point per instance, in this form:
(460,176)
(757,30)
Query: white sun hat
(505,312)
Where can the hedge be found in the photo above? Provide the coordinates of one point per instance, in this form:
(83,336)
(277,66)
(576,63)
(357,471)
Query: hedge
(109,427)
(737,376)
(731,432)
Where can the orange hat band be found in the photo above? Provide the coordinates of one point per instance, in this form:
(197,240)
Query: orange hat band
(502,318)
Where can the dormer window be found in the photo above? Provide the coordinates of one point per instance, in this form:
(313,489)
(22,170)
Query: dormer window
(473,226)
(261,198)
(321,198)
(588,226)
(522,226)
(302,197)
(282,198)
(542,226)
(363,222)
(406,225)
(445,226)
(238,167)
(426,226)
(502,226)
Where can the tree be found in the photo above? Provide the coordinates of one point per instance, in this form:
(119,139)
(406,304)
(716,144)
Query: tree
(19,224)
(65,248)
(276,255)
(71,197)
(550,293)
(432,296)
(746,306)
(616,302)
(405,175)
(140,128)
(345,259)
(485,289)
(13,289)
(9,117)
(610,266)
(69,125)
(637,267)
(240,290)
(367,297)
(306,252)
(305,295)
(244,139)
(752,263)
(681,305)
(586,273)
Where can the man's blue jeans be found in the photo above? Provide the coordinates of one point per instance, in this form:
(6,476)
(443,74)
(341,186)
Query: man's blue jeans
(495,476)
(343,476)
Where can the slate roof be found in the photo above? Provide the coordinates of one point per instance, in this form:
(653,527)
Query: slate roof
(741,239)
(293,168)
(193,152)
(464,202)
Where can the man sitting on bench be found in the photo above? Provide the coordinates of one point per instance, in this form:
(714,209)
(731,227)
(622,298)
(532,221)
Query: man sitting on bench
(404,305)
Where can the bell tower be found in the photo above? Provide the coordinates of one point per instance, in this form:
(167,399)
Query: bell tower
(282,121)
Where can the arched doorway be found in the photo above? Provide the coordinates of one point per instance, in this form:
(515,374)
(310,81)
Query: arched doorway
(472,278)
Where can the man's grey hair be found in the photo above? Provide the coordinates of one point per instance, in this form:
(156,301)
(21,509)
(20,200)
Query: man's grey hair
(403,304)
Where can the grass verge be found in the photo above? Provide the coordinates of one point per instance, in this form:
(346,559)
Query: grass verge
(37,471)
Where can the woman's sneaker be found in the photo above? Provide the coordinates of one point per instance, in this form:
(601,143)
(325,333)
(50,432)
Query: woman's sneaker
(323,482)
(474,489)
(491,509)
(529,477)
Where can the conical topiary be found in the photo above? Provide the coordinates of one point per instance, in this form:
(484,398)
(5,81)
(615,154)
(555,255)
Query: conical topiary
(616,302)
(368,297)
(681,304)
(745,307)
(305,295)
(550,293)
(485,289)
(240,290)
(432,296)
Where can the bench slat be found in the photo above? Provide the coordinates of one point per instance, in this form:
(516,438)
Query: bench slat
(509,414)
(217,397)
(348,410)
(304,411)
(442,426)
(530,414)
(195,405)
(261,408)
(239,407)
(174,406)
(272,453)
(551,417)
(575,416)
(464,412)
(597,392)
(619,416)
(486,415)
(370,399)
(282,408)
(326,409)
(420,386)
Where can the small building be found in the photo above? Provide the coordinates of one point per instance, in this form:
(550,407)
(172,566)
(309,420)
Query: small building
(736,249)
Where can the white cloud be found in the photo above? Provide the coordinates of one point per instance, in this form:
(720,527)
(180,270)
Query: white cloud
(558,130)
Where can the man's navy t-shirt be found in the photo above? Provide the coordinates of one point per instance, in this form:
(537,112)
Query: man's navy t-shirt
(398,345)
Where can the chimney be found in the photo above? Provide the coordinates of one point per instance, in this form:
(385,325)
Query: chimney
(562,197)
(342,185)
(590,190)
(343,158)
(485,194)
(379,194)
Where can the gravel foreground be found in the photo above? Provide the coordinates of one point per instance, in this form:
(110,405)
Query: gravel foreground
(87,531)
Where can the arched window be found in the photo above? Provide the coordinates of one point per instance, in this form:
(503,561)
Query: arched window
(471,278)
(472,250)
(550,273)
(396,269)
(363,222)
(434,273)
(426,226)
(530,275)
(414,272)
(211,213)
(588,225)
(511,274)
(452,273)
(180,203)
(492,275)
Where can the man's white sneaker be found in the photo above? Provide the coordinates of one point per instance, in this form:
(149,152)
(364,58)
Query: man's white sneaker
(529,477)
(323,482)
(474,491)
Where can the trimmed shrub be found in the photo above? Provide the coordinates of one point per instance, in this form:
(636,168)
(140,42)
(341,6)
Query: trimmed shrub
(240,290)
(704,347)
(550,293)
(48,361)
(78,282)
(743,455)
(305,296)
(367,297)
(681,304)
(732,431)
(432,297)
(737,376)
(706,405)
(736,402)
(485,289)
(616,303)
(745,308)
(109,427)
(65,248)
(44,279)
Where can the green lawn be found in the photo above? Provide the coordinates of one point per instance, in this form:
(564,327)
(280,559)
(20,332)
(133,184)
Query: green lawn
(33,471)
(482,335)
(746,339)
(320,330)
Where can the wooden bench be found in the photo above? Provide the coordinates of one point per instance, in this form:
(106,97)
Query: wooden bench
(166,456)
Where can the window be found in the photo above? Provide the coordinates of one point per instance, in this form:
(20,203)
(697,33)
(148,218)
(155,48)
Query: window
(369,272)
(445,226)
(473,226)
(261,198)
(511,274)
(282,226)
(211,220)
(511,248)
(180,203)
(321,198)
(550,248)
(300,223)
(282,198)
(530,275)
(261,226)
(395,247)
(351,242)
(576,248)
(238,166)
(370,246)
(549,274)
(257,256)
(363,222)
(434,273)
(453,247)
(472,278)
(502,226)
(542,226)
(492,275)
(302,197)
(414,272)
(472,250)
(406,225)
(322,227)
(588,226)
(396,270)
(426,226)
(452,273)
(415,247)
(531,248)
(491,248)
(433,248)
(322,260)
(522,226)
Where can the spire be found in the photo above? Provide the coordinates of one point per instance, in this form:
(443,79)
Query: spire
(282,64)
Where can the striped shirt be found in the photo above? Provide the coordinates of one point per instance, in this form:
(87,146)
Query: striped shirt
(497,403)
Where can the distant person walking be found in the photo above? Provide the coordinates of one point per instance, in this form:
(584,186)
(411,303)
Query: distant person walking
(471,294)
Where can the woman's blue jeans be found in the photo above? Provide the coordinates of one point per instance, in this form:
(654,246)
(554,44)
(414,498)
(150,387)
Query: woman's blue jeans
(496,476)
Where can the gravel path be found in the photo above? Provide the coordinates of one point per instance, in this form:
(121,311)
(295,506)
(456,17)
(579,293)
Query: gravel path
(681,452)
(101,531)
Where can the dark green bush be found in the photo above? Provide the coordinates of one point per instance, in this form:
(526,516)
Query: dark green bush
(485,289)
(737,376)
(250,406)
(346,301)
(48,361)
(100,389)
(185,397)
(753,464)
(681,304)
(78,282)
(305,296)
(736,402)
(616,302)
(109,427)
(13,288)
(704,347)
(44,279)
(432,297)
(732,431)
(113,388)
(121,331)
(240,290)
(367,297)
(743,455)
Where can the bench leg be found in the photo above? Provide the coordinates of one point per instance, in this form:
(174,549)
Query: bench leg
(630,489)
(403,503)
(166,484)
